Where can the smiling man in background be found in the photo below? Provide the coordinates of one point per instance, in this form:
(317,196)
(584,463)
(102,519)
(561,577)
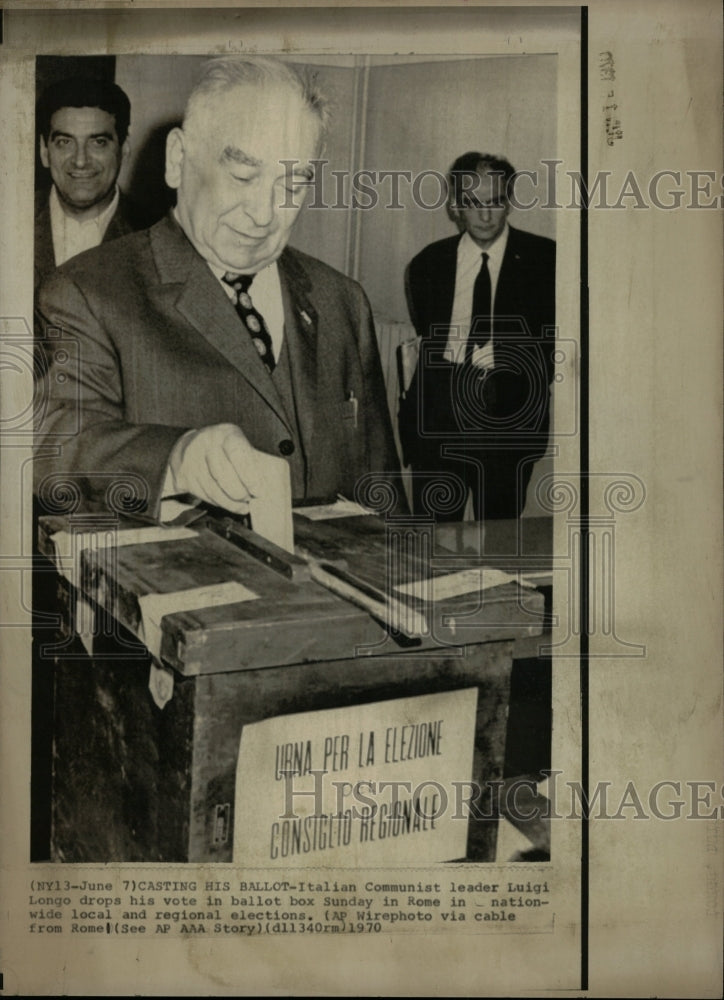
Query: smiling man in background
(205,339)
(83,133)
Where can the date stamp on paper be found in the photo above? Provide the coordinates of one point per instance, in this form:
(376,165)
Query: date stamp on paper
(611,121)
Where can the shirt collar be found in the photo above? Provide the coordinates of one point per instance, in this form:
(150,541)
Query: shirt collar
(263,279)
(469,250)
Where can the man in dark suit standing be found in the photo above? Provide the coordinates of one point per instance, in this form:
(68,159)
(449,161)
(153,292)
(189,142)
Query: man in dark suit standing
(83,133)
(476,414)
(206,340)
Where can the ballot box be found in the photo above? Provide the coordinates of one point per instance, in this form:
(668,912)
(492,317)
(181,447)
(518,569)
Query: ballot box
(200,671)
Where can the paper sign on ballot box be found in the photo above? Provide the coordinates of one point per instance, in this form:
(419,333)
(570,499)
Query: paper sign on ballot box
(377,784)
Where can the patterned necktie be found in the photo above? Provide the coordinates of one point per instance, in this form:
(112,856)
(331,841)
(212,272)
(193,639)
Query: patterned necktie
(252,320)
(481,325)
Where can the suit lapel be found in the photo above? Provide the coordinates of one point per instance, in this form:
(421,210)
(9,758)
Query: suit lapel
(300,337)
(43,250)
(446,287)
(118,226)
(508,291)
(204,305)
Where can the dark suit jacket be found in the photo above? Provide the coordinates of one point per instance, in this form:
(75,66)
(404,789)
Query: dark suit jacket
(516,393)
(152,347)
(127,218)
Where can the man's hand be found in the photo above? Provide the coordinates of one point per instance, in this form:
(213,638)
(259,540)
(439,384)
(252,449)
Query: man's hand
(216,464)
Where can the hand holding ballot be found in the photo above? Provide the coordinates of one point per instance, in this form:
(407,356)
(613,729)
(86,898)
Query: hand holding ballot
(219,465)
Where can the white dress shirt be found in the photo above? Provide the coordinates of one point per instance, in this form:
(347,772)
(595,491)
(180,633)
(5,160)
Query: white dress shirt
(469,261)
(72,235)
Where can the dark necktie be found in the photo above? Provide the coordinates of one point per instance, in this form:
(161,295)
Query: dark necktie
(252,320)
(480,323)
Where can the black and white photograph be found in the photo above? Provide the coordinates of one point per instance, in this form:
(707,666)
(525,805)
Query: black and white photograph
(341,557)
(153,395)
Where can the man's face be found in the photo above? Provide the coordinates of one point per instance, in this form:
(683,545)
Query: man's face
(484,208)
(237,200)
(84,157)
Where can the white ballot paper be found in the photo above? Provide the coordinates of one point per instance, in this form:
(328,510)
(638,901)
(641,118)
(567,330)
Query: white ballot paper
(467,581)
(271,511)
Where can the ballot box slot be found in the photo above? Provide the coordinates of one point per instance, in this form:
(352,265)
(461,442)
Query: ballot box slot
(398,616)
(275,558)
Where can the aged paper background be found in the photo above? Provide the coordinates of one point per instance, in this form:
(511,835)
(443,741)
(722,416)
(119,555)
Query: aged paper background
(654,886)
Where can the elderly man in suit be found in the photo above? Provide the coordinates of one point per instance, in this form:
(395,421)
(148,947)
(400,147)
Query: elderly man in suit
(475,417)
(206,339)
(83,134)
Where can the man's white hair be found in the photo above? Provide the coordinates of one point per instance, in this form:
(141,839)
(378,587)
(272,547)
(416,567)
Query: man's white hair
(223,73)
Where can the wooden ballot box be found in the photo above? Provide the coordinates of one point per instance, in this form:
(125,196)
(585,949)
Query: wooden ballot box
(192,635)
